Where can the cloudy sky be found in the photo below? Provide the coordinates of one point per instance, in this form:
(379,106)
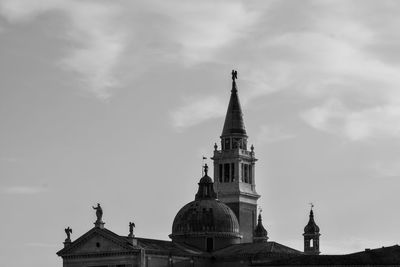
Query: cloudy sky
(116,102)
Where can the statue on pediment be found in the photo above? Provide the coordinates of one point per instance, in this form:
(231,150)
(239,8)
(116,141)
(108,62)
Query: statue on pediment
(68,231)
(99,213)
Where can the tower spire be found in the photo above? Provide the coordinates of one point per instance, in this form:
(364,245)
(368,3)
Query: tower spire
(234,123)
(234,168)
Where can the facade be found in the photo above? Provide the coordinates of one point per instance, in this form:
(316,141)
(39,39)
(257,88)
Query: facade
(219,227)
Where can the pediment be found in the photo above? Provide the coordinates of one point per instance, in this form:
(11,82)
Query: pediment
(97,241)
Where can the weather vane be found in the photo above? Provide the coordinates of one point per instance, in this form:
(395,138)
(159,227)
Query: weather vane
(311,205)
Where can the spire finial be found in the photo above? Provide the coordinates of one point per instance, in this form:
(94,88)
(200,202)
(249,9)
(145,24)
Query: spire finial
(311,211)
(205,169)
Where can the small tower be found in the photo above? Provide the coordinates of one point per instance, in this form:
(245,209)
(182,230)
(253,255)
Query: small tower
(311,236)
(234,168)
(260,234)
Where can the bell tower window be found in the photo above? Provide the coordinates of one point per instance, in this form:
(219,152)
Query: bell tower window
(232,172)
(226,172)
(220,173)
(227,143)
(250,174)
(246,173)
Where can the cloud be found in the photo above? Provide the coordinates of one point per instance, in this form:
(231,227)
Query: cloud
(97,39)
(269,134)
(100,44)
(194,112)
(334,117)
(326,116)
(23,190)
(389,169)
(331,57)
(205,28)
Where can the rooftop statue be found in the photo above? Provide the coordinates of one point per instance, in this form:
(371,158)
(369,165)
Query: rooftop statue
(68,231)
(99,212)
(131,227)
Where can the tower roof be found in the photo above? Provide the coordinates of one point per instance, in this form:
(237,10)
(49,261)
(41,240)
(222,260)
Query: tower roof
(260,233)
(234,123)
(311,227)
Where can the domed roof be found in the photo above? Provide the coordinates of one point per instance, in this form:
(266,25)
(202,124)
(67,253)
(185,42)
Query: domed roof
(311,227)
(206,214)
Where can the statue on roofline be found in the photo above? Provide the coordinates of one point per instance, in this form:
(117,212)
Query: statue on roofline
(68,231)
(131,227)
(99,212)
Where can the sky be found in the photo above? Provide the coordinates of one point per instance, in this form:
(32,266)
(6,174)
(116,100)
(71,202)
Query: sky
(117,101)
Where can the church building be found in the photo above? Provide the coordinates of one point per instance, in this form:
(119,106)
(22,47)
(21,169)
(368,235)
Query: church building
(220,227)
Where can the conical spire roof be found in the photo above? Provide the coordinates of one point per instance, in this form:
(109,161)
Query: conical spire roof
(234,123)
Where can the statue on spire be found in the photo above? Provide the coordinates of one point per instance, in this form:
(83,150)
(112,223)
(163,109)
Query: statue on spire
(234,75)
(205,169)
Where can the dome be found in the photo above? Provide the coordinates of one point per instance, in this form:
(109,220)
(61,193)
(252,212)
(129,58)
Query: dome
(206,222)
(311,227)
(205,215)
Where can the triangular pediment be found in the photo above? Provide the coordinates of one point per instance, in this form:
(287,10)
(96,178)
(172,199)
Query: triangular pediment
(97,241)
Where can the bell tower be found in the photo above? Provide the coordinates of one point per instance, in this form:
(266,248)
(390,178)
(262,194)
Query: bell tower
(234,172)
(311,236)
